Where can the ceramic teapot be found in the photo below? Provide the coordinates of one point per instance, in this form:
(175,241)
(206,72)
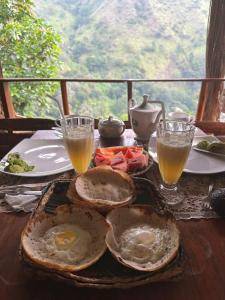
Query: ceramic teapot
(111,127)
(144,117)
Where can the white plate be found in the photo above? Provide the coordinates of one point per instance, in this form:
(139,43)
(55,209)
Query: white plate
(198,162)
(48,156)
(209,152)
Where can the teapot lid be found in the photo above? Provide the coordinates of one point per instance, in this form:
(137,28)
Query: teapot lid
(112,122)
(145,105)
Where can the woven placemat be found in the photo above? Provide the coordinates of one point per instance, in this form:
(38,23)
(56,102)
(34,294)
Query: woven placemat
(195,188)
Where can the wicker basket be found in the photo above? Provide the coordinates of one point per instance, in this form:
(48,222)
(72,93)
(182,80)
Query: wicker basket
(107,272)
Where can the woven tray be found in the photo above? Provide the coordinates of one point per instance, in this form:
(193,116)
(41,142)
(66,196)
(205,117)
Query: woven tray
(107,272)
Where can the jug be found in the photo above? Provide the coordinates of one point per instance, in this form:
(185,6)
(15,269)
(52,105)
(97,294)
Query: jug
(144,117)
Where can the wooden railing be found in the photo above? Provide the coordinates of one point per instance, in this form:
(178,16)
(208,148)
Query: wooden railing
(9,111)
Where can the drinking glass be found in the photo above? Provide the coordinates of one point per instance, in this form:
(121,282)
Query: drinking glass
(174,140)
(78,135)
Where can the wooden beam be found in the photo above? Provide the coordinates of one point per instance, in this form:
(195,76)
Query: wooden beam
(28,79)
(26,124)
(6,99)
(65,102)
(217,128)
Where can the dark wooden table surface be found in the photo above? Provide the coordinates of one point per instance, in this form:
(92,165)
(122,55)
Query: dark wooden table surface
(204,274)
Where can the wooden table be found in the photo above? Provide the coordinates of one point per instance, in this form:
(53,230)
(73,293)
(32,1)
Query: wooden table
(204,276)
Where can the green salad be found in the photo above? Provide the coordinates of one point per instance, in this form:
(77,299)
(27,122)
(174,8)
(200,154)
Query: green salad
(15,164)
(216,147)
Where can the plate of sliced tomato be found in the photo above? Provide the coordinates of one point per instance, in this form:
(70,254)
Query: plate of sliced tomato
(133,159)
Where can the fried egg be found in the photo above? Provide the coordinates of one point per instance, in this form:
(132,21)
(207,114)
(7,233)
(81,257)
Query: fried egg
(68,242)
(144,243)
(141,239)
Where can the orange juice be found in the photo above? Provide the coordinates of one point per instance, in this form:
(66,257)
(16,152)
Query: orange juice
(172,156)
(80,148)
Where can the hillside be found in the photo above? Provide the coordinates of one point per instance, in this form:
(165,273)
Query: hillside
(119,39)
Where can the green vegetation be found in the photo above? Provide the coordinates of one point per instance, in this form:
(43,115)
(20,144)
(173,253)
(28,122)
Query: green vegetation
(28,48)
(109,39)
(143,39)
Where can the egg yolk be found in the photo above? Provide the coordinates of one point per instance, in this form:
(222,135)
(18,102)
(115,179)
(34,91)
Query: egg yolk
(145,238)
(64,240)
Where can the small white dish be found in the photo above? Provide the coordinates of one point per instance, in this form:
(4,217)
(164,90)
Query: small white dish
(198,162)
(179,116)
(48,157)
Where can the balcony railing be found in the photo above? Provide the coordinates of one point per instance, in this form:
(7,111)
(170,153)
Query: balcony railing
(9,111)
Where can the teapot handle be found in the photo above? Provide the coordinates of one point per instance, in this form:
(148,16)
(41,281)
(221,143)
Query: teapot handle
(160,112)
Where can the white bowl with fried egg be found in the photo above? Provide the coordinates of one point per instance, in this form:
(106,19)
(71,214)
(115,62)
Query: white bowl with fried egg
(141,239)
(71,240)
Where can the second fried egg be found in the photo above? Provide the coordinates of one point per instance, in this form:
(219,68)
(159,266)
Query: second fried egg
(144,243)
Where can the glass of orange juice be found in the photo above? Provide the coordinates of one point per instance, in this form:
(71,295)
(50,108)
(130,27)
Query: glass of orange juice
(174,140)
(78,136)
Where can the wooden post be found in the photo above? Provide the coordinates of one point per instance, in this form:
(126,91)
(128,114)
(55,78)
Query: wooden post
(202,101)
(129,96)
(6,99)
(65,102)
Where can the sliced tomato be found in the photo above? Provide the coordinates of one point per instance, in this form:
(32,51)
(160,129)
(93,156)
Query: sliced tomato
(101,160)
(104,152)
(121,158)
(115,150)
(137,151)
(129,154)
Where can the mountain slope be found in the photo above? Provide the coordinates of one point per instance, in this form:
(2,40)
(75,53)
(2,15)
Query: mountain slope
(130,39)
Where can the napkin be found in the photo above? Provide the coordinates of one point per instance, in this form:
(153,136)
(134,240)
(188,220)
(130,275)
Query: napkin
(25,203)
(21,202)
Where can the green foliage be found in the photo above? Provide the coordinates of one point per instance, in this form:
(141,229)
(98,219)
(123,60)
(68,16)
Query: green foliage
(28,48)
(144,39)
(109,39)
